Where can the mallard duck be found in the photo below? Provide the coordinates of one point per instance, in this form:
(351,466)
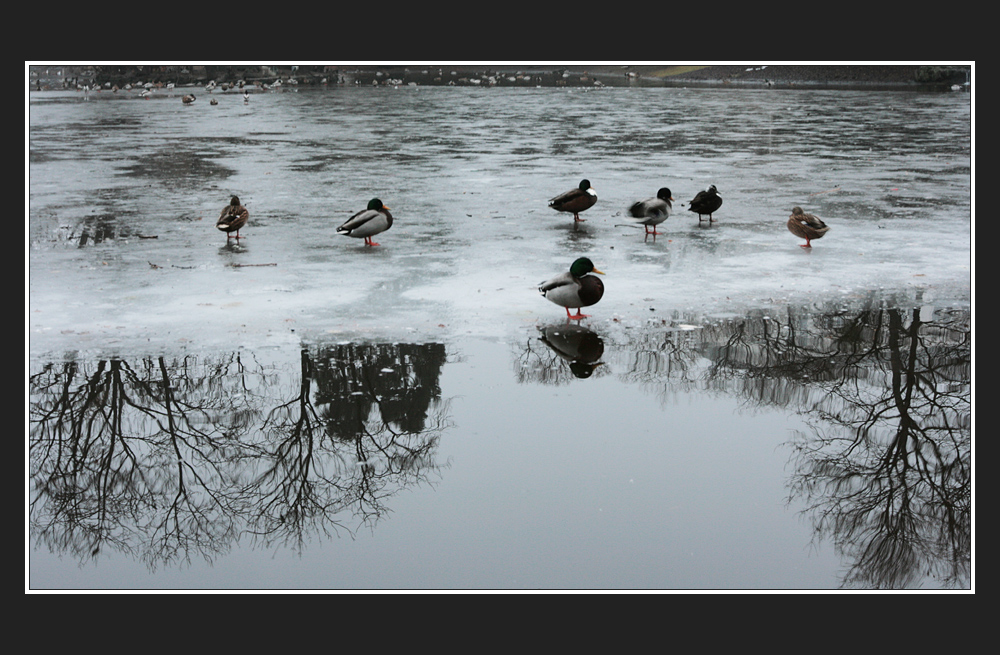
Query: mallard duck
(213,101)
(234,217)
(188,99)
(706,202)
(368,222)
(806,226)
(652,211)
(576,200)
(575,288)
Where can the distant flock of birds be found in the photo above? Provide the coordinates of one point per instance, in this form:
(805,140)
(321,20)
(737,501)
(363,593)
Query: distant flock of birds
(146,90)
(576,288)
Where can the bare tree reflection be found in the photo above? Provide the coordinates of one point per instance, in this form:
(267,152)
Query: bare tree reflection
(665,362)
(368,430)
(158,459)
(128,457)
(886,473)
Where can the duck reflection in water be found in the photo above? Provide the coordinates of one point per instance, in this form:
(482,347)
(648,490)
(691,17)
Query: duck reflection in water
(571,352)
(580,347)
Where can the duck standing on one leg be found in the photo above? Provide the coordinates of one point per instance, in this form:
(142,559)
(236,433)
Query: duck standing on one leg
(806,226)
(575,288)
(368,222)
(652,211)
(234,217)
(706,202)
(575,200)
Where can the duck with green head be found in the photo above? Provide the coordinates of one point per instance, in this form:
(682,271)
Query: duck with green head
(368,222)
(575,200)
(652,211)
(575,288)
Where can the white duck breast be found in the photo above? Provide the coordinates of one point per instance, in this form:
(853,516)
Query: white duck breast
(574,288)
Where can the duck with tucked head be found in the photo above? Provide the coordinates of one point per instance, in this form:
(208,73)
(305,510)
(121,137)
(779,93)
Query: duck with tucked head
(806,226)
(706,202)
(234,216)
(575,200)
(368,222)
(575,288)
(652,211)
(188,99)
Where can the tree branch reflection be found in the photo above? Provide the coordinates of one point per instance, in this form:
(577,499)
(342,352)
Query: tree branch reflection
(368,430)
(165,460)
(885,469)
(886,472)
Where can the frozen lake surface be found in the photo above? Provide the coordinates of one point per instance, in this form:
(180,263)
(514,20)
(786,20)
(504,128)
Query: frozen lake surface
(407,416)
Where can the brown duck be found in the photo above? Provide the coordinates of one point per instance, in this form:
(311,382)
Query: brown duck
(234,216)
(575,200)
(806,226)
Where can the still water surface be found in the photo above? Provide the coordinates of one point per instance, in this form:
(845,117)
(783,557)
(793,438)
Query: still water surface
(299,411)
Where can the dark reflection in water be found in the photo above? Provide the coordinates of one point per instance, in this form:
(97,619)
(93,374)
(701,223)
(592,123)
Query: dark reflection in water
(574,351)
(885,471)
(164,460)
(104,227)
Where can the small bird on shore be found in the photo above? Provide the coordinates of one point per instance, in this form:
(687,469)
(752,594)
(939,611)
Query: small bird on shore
(368,222)
(652,211)
(706,202)
(575,200)
(234,216)
(806,226)
(574,288)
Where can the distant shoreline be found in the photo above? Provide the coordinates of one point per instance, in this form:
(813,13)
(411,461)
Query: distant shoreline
(826,76)
(898,77)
